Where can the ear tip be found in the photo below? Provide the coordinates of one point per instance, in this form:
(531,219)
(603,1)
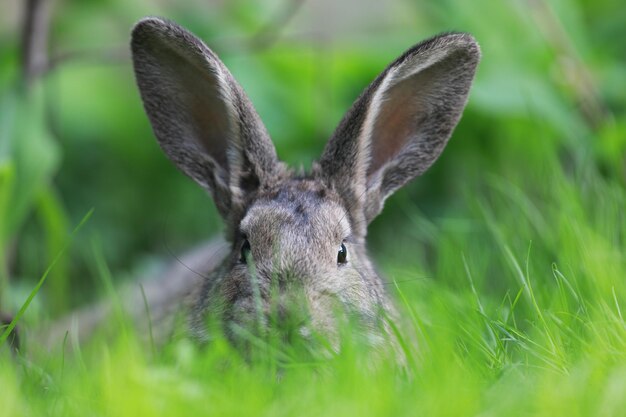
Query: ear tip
(463,40)
(154,26)
(145,29)
(470,43)
(155,32)
(150,24)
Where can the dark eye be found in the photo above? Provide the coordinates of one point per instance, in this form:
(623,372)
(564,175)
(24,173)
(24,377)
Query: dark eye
(245,251)
(342,255)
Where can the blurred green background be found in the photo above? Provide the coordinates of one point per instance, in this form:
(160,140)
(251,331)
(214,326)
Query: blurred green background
(543,138)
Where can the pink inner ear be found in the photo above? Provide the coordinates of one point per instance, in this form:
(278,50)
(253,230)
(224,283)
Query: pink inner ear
(397,122)
(197,93)
(211,124)
(402,112)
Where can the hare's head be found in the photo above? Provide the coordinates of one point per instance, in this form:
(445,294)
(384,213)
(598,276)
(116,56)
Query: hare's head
(298,242)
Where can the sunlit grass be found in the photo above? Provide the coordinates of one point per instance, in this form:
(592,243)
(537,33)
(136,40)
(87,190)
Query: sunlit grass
(507,260)
(549,340)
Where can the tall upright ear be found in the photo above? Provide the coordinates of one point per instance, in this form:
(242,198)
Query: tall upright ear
(400,124)
(200,115)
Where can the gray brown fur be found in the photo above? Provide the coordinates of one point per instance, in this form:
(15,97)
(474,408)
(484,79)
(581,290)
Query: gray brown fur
(295,224)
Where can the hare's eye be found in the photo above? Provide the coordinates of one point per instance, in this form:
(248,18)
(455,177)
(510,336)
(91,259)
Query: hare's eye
(245,251)
(342,255)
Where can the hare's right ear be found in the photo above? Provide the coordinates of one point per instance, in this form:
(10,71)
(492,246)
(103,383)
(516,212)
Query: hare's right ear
(200,115)
(400,124)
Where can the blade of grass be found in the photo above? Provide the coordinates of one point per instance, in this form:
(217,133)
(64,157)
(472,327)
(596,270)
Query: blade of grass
(35,290)
(149,316)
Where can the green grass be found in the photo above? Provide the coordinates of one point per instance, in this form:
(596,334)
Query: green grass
(507,260)
(550,340)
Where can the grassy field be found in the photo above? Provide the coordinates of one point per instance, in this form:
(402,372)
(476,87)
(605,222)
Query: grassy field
(507,259)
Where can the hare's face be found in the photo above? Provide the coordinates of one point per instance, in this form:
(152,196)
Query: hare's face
(296,262)
(298,244)
(295,230)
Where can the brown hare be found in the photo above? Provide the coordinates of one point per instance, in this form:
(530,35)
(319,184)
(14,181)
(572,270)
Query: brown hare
(297,242)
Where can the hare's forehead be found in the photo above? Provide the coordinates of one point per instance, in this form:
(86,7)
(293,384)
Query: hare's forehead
(297,209)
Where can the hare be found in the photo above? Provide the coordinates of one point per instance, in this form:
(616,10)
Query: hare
(297,241)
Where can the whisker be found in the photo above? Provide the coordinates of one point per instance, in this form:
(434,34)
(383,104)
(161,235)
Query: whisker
(187,267)
(384,283)
(169,250)
(349,208)
(403,281)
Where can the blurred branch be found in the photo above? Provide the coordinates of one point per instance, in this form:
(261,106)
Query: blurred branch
(264,38)
(38,63)
(105,56)
(270,32)
(267,35)
(592,107)
(35,32)
(34,44)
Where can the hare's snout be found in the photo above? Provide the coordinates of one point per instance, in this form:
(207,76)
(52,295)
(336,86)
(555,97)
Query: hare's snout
(295,312)
(294,308)
(284,314)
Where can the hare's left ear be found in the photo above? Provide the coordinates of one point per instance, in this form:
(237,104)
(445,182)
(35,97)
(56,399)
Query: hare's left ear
(200,115)
(400,124)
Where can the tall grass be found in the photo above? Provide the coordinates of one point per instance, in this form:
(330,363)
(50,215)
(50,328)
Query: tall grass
(506,260)
(550,339)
